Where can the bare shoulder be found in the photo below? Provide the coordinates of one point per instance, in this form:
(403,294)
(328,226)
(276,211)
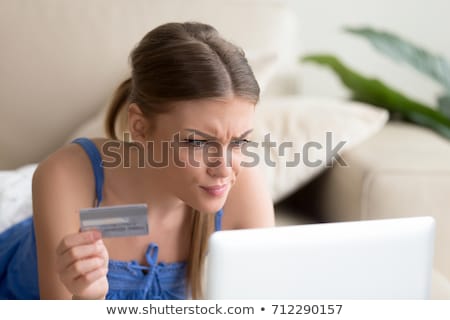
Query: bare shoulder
(69,164)
(69,169)
(249,204)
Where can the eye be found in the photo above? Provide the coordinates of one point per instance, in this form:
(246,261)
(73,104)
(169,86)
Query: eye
(196,143)
(239,143)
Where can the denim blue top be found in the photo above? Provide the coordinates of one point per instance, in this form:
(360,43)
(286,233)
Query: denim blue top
(127,279)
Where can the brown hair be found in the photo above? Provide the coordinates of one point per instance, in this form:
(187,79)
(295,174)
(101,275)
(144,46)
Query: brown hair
(176,62)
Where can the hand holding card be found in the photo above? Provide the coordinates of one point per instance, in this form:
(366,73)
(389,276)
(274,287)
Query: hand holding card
(116,221)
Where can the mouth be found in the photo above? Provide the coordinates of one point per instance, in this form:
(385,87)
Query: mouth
(216,190)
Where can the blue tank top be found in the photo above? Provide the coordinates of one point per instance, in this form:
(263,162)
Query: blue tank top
(127,279)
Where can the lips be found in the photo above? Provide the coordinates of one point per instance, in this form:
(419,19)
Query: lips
(216,190)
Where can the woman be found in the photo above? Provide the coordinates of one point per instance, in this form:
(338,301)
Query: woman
(190,103)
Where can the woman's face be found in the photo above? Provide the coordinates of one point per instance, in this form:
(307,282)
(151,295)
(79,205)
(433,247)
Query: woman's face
(201,142)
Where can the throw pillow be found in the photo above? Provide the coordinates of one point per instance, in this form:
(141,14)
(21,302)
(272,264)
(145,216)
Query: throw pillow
(307,136)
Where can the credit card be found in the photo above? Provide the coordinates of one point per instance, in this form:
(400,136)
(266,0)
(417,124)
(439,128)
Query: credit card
(116,221)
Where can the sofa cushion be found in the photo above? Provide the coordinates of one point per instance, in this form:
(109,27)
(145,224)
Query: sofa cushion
(15,195)
(309,135)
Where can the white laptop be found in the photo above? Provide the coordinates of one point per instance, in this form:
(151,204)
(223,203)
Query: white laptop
(374,259)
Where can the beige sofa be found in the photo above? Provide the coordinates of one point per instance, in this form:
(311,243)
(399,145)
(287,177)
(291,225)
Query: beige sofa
(62,59)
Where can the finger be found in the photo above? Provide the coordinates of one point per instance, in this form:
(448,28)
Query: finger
(77,239)
(85,282)
(95,282)
(79,253)
(104,252)
(82,267)
(92,276)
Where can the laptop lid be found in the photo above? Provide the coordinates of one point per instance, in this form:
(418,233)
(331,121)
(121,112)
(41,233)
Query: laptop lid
(373,259)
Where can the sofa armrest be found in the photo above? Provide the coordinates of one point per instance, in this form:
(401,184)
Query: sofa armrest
(402,171)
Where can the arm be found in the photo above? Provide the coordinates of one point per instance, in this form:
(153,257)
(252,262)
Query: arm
(249,204)
(62,184)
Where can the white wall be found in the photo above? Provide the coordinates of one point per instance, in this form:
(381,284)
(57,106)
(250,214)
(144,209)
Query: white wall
(425,22)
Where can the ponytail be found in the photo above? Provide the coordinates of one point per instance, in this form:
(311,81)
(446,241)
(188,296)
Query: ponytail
(203,226)
(118,102)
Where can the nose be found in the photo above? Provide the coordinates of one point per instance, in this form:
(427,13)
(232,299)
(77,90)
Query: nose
(219,167)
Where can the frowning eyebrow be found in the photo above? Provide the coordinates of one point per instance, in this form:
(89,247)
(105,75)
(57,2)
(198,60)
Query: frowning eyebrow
(207,136)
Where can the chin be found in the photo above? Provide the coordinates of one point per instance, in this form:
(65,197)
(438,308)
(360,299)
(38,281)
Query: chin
(209,205)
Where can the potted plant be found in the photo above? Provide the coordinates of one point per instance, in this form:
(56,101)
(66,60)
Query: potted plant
(375,92)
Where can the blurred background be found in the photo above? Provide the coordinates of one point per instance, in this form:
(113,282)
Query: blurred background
(61,60)
(321,23)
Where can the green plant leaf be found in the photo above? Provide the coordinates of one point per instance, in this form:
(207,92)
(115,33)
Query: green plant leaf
(434,66)
(444,105)
(375,92)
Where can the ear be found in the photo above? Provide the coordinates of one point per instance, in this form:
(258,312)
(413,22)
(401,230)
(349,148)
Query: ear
(138,124)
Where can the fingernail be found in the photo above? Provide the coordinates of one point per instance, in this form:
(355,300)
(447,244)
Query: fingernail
(99,244)
(97,234)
